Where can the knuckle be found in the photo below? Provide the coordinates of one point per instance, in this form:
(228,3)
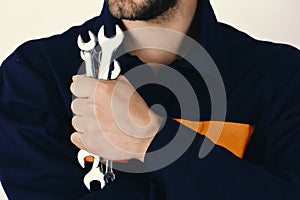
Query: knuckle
(123,78)
(104,88)
(99,87)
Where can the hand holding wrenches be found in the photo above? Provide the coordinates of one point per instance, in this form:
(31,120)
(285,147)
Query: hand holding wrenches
(108,48)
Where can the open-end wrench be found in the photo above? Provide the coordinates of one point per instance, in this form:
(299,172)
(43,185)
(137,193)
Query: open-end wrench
(109,46)
(94,174)
(84,156)
(109,175)
(87,53)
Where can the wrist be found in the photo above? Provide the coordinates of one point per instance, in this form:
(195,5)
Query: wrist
(153,128)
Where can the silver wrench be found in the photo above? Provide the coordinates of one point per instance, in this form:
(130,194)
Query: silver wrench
(109,175)
(87,53)
(108,46)
(94,174)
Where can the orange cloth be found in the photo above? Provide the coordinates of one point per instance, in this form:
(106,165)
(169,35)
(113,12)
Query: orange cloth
(232,136)
(89,159)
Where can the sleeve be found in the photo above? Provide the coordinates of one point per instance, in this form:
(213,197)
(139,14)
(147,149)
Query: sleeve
(38,160)
(270,169)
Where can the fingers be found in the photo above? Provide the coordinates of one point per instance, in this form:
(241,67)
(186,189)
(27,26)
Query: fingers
(82,107)
(85,124)
(76,140)
(122,78)
(76,121)
(79,123)
(83,86)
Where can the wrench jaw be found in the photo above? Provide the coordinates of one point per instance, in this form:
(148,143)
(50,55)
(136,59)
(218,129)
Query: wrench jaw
(109,178)
(108,47)
(82,157)
(89,45)
(118,38)
(86,53)
(109,175)
(94,175)
(117,70)
(119,32)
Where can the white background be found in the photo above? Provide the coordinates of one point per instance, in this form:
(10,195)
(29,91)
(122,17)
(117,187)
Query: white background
(275,20)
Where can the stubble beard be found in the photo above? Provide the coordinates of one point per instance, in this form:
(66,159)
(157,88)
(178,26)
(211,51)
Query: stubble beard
(145,10)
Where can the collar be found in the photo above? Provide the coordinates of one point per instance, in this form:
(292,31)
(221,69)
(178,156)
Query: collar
(108,21)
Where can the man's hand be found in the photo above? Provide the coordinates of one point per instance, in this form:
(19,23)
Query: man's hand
(111,119)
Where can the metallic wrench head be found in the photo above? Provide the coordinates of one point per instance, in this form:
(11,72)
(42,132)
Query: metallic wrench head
(83,156)
(94,175)
(117,39)
(116,71)
(108,47)
(89,45)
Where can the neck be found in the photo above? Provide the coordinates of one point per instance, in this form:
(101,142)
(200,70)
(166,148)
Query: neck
(178,18)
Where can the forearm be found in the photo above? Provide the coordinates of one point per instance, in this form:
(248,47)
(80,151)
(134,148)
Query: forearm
(221,175)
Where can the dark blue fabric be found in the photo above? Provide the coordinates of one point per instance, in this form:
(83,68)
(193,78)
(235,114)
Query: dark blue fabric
(262,82)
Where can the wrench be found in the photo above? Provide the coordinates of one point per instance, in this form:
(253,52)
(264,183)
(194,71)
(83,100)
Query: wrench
(83,156)
(109,174)
(87,53)
(109,46)
(94,174)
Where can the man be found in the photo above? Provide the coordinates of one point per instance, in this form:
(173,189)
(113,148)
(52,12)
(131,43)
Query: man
(261,79)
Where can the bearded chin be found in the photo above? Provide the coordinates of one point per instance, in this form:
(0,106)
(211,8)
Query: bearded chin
(144,10)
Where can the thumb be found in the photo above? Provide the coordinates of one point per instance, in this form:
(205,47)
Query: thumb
(75,139)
